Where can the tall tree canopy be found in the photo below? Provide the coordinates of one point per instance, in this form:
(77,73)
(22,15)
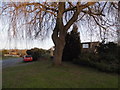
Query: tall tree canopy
(38,18)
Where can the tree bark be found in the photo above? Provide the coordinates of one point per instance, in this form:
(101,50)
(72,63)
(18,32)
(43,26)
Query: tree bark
(58,53)
(59,34)
(59,41)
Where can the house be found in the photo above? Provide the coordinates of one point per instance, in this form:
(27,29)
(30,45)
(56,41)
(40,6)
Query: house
(89,46)
(15,52)
(52,51)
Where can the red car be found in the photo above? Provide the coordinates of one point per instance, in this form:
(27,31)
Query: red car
(27,58)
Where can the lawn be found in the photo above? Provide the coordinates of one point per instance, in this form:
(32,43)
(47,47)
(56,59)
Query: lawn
(41,74)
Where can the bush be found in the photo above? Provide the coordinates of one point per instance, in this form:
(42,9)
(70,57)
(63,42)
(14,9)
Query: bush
(36,53)
(107,58)
(109,52)
(86,59)
(107,67)
(109,47)
(100,63)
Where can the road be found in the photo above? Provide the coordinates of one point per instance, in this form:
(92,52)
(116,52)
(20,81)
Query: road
(13,62)
(10,62)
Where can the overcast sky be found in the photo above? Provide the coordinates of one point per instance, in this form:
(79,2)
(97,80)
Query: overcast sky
(5,42)
(21,43)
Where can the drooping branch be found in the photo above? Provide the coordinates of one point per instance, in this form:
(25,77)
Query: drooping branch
(40,13)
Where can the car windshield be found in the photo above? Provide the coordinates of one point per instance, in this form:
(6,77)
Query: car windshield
(28,56)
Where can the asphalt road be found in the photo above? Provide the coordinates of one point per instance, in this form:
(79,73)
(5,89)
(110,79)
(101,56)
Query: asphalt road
(13,62)
(10,62)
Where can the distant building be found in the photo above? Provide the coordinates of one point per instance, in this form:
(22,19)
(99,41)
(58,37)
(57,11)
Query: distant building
(52,51)
(86,47)
(15,52)
(89,46)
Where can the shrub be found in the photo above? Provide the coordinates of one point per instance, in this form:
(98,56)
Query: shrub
(36,53)
(85,59)
(107,58)
(92,60)
(109,47)
(108,52)
(107,67)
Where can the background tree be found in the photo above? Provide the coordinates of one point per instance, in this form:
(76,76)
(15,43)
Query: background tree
(40,17)
(72,47)
(4,52)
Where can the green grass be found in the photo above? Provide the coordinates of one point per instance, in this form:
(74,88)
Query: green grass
(41,74)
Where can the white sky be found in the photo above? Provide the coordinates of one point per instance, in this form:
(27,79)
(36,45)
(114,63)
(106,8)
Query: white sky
(46,44)
(5,43)
(27,44)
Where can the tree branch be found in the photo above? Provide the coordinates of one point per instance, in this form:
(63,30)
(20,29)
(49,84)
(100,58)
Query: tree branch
(79,8)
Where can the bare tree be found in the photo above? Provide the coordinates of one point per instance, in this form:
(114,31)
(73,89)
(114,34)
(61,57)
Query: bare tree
(41,17)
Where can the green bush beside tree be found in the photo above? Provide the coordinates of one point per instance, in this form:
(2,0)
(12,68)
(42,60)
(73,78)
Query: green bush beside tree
(107,58)
(36,53)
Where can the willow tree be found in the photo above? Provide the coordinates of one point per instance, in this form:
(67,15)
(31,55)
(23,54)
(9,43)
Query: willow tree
(38,18)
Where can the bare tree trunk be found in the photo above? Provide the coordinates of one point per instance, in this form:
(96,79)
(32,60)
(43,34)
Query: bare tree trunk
(58,53)
(59,34)
(59,41)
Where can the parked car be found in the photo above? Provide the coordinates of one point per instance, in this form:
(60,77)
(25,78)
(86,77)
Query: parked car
(27,58)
